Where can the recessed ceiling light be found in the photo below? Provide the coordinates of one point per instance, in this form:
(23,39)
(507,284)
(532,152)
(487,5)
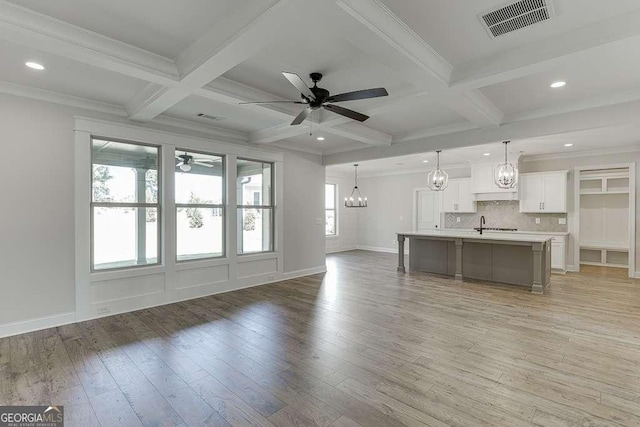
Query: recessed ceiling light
(556,85)
(34,65)
(486,154)
(425,161)
(320,138)
(568,145)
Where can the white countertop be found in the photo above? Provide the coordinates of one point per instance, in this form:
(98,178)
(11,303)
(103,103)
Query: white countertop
(466,234)
(545,233)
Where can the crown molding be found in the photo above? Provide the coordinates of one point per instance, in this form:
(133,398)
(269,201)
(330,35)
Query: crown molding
(29,28)
(423,169)
(62,99)
(582,153)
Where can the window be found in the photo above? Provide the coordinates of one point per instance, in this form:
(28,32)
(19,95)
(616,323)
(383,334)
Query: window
(200,210)
(330,210)
(125,207)
(254,188)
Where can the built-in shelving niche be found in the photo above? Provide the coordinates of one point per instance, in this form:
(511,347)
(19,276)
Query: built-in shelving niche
(604,217)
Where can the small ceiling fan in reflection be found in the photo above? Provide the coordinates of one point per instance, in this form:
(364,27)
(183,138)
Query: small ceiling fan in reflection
(316,97)
(185,161)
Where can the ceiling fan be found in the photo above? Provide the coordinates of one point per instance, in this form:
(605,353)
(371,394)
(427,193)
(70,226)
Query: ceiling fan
(185,161)
(316,97)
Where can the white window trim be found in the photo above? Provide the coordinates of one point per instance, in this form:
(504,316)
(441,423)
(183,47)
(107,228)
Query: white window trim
(335,210)
(169,270)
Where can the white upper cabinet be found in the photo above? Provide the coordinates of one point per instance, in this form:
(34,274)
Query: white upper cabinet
(543,192)
(457,197)
(483,179)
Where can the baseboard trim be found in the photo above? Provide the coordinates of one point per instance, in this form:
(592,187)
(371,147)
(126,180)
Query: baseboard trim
(637,274)
(381,249)
(39,323)
(304,272)
(30,325)
(335,250)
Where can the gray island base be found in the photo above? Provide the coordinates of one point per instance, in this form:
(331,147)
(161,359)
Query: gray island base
(513,259)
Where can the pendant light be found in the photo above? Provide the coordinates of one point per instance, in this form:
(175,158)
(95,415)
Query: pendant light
(352,202)
(506,175)
(437,180)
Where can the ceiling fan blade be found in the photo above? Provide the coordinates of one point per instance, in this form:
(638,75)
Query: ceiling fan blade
(202,164)
(301,117)
(346,112)
(359,94)
(272,102)
(295,80)
(204,160)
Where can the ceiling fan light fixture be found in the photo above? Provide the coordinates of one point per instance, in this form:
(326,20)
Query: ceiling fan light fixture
(506,175)
(437,179)
(185,167)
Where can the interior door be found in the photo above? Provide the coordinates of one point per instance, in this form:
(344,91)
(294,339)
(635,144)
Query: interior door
(427,209)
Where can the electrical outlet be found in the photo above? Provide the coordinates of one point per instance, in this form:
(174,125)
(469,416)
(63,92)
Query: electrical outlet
(105,309)
(562,221)
(457,219)
(537,220)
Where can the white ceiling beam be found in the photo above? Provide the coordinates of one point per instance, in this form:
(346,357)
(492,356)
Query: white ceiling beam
(358,132)
(599,117)
(547,54)
(415,60)
(38,31)
(243,32)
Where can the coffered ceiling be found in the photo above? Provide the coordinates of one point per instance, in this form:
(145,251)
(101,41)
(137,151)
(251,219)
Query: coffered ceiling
(450,83)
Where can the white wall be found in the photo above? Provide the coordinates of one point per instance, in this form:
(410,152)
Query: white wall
(303,212)
(550,164)
(36,217)
(391,206)
(347,238)
(38,243)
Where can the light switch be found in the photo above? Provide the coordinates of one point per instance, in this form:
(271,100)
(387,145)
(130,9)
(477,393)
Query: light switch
(457,219)
(562,221)
(537,220)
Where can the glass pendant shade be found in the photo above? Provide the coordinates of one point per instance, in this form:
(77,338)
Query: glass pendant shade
(506,175)
(355,200)
(437,180)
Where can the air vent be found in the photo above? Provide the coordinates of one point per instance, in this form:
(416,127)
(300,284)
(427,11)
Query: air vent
(208,117)
(516,15)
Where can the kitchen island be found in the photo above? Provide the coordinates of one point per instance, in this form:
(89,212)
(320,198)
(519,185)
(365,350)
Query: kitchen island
(517,259)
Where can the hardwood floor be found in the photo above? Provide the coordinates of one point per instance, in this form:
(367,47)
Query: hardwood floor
(361,345)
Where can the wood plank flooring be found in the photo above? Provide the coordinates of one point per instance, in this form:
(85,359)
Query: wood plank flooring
(359,346)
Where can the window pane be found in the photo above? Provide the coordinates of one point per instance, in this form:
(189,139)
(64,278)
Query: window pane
(255,229)
(200,233)
(254,182)
(330,222)
(201,181)
(124,173)
(330,196)
(124,237)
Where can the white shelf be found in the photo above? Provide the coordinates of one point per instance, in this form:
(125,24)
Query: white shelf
(587,192)
(599,264)
(605,246)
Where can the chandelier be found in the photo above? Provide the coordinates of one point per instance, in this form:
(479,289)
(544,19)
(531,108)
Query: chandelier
(506,175)
(351,202)
(437,180)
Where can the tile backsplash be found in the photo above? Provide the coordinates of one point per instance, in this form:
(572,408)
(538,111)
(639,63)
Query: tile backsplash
(505,214)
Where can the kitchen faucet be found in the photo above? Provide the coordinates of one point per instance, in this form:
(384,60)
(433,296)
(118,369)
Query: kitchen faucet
(482,221)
